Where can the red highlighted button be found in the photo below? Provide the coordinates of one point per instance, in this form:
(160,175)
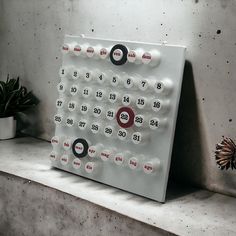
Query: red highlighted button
(125,117)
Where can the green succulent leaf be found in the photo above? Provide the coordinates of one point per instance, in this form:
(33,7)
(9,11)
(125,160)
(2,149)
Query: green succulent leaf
(15,98)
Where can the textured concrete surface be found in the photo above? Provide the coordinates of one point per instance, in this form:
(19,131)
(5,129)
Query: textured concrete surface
(186,212)
(28,208)
(32,32)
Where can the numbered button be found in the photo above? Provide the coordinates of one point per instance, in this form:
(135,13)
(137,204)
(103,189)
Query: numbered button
(61,87)
(108,131)
(113,97)
(84,108)
(63,72)
(97,111)
(139,120)
(87,92)
(125,117)
(155,123)
(95,127)
(58,119)
(143,84)
(72,106)
(70,121)
(129,82)
(110,114)
(159,105)
(74,90)
(64,159)
(165,86)
(100,94)
(114,81)
(141,102)
(76,163)
(122,134)
(101,77)
(60,103)
(75,74)
(137,138)
(82,124)
(127,99)
(88,76)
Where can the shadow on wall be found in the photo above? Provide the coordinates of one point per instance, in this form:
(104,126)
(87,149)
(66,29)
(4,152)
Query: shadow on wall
(188,149)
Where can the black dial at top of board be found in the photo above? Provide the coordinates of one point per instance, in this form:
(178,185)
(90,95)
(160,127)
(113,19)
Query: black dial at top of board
(118,54)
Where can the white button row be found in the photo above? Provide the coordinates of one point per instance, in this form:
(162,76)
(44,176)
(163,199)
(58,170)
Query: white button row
(164,86)
(137,56)
(140,120)
(120,159)
(157,105)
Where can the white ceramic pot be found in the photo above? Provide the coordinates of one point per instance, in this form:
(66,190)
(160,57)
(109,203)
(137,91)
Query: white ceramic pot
(7,127)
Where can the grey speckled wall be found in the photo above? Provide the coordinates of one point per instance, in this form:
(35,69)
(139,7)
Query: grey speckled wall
(32,31)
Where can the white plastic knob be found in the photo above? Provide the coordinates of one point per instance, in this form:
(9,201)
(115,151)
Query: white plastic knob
(151,58)
(107,154)
(97,111)
(76,163)
(159,105)
(72,105)
(67,143)
(83,124)
(68,48)
(164,86)
(122,134)
(111,114)
(113,97)
(127,99)
(84,108)
(60,103)
(90,167)
(54,156)
(56,141)
(70,121)
(87,92)
(95,127)
(104,53)
(58,118)
(157,124)
(135,56)
(139,137)
(74,89)
(141,102)
(143,84)
(95,150)
(152,166)
(64,159)
(109,131)
(133,163)
(100,94)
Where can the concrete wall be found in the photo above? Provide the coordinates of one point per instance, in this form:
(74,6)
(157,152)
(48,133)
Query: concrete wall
(32,31)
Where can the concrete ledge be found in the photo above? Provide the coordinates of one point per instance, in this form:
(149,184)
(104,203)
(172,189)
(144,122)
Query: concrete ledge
(84,207)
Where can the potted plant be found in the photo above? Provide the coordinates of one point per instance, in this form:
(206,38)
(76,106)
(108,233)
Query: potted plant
(14,98)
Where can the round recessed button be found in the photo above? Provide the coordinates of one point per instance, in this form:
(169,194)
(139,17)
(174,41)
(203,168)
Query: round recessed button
(60,103)
(94,151)
(103,53)
(108,131)
(97,111)
(83,124)
(65,48)
(67,144)
(122,134)
(110,114)
(139,120)
(118,54)
(80,148)
(76,163)
(58,119)
(84,108)
(70,121)
(77,50)
(151,166)
(90,52)
(73,89)
(95,127)
(72,105)
(87,92)
(64,159)
(106,155)
(133,163)
(125,117)
(90,167)
(61,87)
(55,141)
(53,156)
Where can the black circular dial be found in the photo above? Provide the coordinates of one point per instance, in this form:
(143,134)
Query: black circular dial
(80,148)
(118,54)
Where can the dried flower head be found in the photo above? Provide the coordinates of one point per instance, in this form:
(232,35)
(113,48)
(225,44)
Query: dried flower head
(225,154)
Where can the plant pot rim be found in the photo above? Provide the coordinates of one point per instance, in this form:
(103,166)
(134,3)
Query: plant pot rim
(4,117)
